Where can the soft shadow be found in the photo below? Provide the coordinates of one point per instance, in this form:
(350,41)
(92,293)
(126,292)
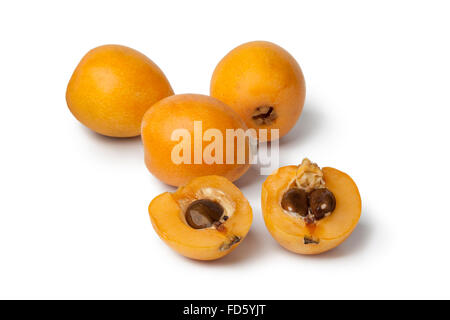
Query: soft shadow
(110,140)
(250,249)
(161,185)
(355,243)
(308,124)
(115,149)
(251,177)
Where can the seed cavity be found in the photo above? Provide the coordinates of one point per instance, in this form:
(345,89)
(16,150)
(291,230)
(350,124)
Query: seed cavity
(309,176)
(307,195)
(208,208)
(220,197)
(203,213)
(312,206)
(264,115)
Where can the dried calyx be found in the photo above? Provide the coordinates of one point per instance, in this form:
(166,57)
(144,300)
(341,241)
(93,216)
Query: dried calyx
(264,115)
(211,209)
(229,243)
(307,197)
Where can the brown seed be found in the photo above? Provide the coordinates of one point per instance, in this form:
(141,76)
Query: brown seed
(295,200)
(203,213)
(321,201)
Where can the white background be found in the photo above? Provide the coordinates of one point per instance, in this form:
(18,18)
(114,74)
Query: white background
(73,204)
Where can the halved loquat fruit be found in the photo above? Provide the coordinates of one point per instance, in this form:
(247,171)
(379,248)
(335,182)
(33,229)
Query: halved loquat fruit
(309,210)
(204,220)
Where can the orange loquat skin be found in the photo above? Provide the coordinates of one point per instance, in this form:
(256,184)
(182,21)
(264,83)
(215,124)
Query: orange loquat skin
(261,74)
(168,220)
(111,89)
(180,112)
(290,231)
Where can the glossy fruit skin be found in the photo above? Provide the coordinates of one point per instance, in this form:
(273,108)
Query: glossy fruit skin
(290,231)
(201,244)
(180,112)
(111,89)
(259,74)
